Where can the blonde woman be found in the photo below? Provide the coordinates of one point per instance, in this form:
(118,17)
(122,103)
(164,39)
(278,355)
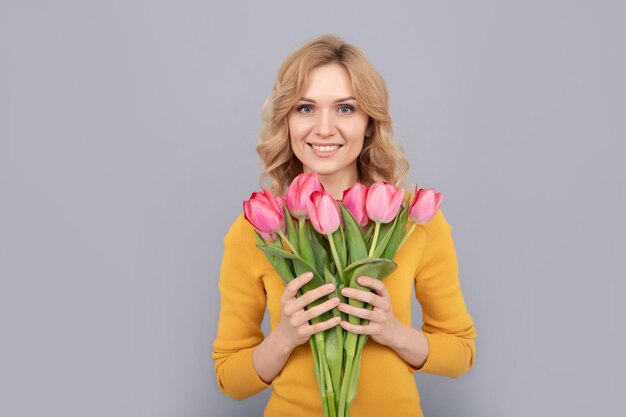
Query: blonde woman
(328,113)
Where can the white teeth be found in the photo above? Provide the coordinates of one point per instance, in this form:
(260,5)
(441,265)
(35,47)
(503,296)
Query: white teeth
(325,148)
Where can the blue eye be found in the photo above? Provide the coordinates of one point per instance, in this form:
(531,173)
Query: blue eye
(305,108)
(346,109)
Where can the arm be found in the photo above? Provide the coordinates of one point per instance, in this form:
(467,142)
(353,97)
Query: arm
(448,327)
(445,346)
(383,327)
(293,329)
(239,328)
(246,362)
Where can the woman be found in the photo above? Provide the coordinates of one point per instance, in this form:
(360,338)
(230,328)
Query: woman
(329,114)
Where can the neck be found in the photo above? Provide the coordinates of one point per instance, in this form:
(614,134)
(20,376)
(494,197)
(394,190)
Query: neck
(336,185)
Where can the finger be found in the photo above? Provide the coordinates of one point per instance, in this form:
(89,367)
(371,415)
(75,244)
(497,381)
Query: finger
(313,295)
(355,328)
(295,284)
(364,296)
(362,313)
(324,325)
(304,316)
(375,284)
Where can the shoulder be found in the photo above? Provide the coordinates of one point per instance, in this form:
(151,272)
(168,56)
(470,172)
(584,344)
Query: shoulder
(439,220)
(438,227)
(240,232)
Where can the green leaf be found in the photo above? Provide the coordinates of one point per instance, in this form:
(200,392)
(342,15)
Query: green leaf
(371,267)
(305,242)
(276,251)
(385,233)
(292,232)
(398,231)
(281,265)
(320,238)
(340,246)
(354,380)
(378,267)
(354,236)
(328,277)
(344,253)
(284,269)
(368,235)
(331,279)
(334,355)
(319,252)
(300,266)
(334,339)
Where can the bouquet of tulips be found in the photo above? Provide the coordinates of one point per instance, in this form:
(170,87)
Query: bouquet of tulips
(338,241)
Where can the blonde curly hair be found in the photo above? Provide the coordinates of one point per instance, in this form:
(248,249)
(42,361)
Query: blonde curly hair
(381,159)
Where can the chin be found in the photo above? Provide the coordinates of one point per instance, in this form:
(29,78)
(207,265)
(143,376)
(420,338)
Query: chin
(325,170)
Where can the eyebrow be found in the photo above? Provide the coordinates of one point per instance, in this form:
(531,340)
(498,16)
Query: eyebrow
(336,101)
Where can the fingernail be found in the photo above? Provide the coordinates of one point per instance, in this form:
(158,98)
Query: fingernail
(361,280)
(330,287)
(308,275)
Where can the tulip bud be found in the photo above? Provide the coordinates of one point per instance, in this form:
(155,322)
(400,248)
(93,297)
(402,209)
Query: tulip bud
(424,205)
(354,200)
(265,213)
(324,212)
(299,193)
(383,202)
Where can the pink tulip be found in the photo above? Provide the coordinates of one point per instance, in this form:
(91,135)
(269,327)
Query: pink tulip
(424,205)
(354,200)
(299,193)
(265,213)
(324,212)
(383,202)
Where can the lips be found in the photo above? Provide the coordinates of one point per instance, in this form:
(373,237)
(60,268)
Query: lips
(325,152)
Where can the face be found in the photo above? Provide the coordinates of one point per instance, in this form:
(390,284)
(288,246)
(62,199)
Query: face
(327,126)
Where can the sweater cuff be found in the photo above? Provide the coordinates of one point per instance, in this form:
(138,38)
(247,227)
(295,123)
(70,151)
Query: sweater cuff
(237,377)
(255,383)
(435,360)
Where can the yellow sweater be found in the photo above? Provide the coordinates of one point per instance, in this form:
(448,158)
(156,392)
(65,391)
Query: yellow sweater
(386,387)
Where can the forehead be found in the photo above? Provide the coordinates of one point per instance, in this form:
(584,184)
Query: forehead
(328,81)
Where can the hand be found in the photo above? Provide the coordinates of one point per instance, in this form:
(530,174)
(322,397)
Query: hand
(383,326)
(294,326)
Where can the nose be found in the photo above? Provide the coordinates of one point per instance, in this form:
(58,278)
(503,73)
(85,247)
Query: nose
(325,125)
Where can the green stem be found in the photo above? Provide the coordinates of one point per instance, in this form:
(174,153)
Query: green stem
(326,383)
(405,238)
(343,395)
(323,389)
(333,249)
(376,229)
(316,371)
(282,235)
(354,377)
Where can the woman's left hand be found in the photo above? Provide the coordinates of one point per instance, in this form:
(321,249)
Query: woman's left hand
(383,326)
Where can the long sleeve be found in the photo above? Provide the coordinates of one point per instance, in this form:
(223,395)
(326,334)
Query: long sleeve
(448,326)
(239,327)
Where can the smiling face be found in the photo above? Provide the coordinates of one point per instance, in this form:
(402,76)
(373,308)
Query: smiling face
(327,126)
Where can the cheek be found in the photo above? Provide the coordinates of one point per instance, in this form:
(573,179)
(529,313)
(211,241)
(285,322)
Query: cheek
(297,130)
(355,132)
(296,140)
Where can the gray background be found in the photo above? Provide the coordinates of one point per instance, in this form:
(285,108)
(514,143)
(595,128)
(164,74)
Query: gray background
(127,135)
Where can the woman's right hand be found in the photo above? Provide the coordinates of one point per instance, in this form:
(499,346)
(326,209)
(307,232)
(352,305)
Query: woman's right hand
(294,326)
